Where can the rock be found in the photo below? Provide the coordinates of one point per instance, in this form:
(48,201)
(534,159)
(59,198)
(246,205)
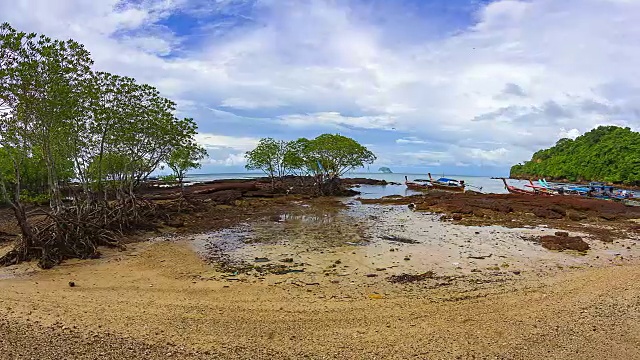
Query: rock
(226,197)
(338,262)
(381,269)
(287,260)
(456,217)
(516,272)
(575,216)
(562,233)
(72,284)
(406,258)
(371,275)
(260,259)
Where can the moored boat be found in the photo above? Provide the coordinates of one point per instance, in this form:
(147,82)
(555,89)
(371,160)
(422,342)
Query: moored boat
(514,190)
(447,184)
(416,186)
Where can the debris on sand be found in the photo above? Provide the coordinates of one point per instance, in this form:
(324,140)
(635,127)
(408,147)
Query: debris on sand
(560,243)
(399,239)
(410,278)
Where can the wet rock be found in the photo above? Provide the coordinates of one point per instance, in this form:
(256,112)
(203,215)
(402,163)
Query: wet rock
(561,243)
(226,197)
(479,257)
(409,278)
(399,239)
(575,216)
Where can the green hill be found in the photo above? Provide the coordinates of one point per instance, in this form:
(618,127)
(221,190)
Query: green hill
(607,153)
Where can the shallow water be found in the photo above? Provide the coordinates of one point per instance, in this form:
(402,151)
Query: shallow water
(366,238)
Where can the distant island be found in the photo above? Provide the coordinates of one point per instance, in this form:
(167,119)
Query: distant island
(385,170)
(607,153)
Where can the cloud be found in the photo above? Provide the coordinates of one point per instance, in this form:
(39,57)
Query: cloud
(410,140)
(214,141)
(501,81)
(335,119)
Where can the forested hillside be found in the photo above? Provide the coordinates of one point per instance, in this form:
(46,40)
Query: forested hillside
(607,153)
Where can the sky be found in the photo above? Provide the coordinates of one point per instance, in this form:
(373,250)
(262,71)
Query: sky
(466,87)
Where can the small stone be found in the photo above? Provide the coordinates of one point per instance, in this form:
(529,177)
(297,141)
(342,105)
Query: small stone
(381,269)
(287,260)
(406,258)
(562,233)
(338,262)
(371,275)
(72,284)
(516,272)
(456,217)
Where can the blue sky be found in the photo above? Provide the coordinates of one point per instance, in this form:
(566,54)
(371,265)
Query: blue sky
(449,86)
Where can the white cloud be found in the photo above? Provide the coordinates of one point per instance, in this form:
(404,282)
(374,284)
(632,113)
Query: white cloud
(525,74)
(410,140)
(213,141)
(570,134)
(335,119)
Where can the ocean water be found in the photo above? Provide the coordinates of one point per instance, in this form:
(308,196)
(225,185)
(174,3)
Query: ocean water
(479,183)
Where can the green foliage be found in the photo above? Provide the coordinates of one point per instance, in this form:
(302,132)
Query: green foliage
(328,156)
(185,158)
(274,157)
(168,178)
(607,153)
(29,197)
(61,121)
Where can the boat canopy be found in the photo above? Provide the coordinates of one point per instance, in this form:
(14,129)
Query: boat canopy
(446,180)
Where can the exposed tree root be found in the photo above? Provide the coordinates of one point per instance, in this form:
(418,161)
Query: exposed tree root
(78,231)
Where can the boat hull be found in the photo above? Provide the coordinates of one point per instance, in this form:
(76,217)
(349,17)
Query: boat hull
(437,186)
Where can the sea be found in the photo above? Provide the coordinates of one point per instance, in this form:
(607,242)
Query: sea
(478,183)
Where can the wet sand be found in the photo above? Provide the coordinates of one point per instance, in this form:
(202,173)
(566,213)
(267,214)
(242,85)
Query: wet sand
(161,299)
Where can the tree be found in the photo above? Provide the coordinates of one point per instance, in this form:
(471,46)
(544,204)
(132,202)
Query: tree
(185,158)
(59,121)
(607,153)
(273,157)
(332,155)
(327,158)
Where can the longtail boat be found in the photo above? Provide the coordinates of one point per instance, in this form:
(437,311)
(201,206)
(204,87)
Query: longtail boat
(515,190)
(447,184)
(543,188)
(416,186)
